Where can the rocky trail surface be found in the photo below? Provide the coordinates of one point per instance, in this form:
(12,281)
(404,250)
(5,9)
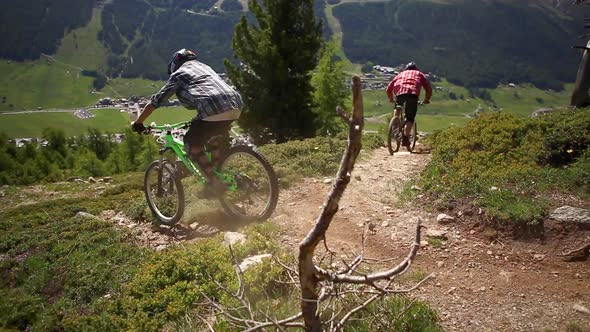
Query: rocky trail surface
(478,283)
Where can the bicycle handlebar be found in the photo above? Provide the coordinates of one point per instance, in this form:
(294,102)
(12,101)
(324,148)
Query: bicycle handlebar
(166,127)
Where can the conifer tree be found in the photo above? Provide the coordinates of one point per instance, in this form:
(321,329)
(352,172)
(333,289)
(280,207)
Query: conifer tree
(277,55)
(330,91)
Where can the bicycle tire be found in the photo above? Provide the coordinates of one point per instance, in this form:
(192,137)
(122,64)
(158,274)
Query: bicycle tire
(170,181)
(248,184)
(413,137)
(393,134)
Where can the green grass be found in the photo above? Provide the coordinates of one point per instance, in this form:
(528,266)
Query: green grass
(81,47)
(125,87)
(32,124)
(49,84)
(45,84)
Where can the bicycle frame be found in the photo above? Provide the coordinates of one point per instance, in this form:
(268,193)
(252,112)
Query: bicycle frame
(402,112)
(170,143)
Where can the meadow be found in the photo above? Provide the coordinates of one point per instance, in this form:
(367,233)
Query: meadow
(443,112)
(107,120)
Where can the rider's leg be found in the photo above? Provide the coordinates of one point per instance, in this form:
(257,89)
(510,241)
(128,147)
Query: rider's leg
(408,128)
(194,142)
(411,110)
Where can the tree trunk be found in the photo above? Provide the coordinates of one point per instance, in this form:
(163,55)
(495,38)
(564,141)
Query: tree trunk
(580,93)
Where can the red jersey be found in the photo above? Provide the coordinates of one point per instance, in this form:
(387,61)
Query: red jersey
(409,82)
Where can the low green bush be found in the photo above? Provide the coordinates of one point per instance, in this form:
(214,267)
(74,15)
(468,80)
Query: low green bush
(317,156)
(507,163)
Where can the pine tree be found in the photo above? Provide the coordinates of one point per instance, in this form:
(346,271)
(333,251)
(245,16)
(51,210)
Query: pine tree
(330,91)
(277,56)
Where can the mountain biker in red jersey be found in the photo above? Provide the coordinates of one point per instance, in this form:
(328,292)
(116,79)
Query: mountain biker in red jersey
(198,87)
(405,89)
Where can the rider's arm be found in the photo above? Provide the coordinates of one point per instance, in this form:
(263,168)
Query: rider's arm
(390,91)
(145,113)
(428,88)
(166,91)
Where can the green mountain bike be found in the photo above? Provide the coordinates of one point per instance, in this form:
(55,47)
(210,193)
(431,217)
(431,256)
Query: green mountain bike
(250,186)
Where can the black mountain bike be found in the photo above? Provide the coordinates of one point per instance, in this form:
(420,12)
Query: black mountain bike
(395,131)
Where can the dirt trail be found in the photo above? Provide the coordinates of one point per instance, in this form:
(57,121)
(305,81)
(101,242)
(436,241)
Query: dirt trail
(478,285)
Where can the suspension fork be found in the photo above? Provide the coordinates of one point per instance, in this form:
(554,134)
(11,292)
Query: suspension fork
(159,189)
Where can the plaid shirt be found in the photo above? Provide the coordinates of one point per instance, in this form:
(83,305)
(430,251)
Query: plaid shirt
(198,87)
(409,82)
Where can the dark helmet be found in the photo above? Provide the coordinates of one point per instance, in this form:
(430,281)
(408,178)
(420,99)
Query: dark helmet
(411,66)
(179,58)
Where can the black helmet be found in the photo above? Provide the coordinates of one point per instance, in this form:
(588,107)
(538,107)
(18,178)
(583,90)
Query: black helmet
(179,58)
(411,66)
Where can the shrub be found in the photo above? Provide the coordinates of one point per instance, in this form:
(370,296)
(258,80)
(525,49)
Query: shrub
(508,162)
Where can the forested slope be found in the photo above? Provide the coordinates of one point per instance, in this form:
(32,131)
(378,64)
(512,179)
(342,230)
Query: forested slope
(472,43)
(31,27)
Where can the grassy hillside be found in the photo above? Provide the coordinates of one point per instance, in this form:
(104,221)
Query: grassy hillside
(32,27)
(81,47)
(43,83)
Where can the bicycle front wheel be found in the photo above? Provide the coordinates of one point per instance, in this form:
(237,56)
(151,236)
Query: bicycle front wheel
(164,192)
(256,190)
(394,135)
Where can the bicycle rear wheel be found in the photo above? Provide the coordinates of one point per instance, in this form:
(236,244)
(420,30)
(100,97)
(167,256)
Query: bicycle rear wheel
(256,193)
(164,192)
(394,135)
(413,137)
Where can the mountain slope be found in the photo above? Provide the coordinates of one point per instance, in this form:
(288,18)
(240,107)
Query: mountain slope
(473,43)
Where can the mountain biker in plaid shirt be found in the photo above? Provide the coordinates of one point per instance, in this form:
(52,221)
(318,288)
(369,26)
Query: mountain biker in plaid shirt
(405,89)
(197,87)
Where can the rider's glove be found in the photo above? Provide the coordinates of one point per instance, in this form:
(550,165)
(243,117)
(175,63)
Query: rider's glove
(137,127)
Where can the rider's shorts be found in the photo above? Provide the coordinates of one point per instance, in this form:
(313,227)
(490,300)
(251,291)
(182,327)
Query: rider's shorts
(201,131)
(411,102)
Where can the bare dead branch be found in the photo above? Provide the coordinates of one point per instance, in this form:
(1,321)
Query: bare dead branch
(343,115)
(358,308)
(206,322)
(307,270)
(367,279)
